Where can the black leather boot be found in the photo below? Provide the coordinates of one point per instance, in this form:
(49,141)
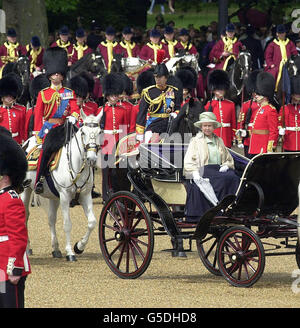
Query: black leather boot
(39,187)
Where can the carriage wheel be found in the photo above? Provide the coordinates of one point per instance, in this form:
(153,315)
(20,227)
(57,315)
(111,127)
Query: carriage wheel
(207,250)
(297,253)
(241,257)
(126,235)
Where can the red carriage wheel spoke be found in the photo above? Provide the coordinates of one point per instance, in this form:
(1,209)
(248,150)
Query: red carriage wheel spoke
(114,218)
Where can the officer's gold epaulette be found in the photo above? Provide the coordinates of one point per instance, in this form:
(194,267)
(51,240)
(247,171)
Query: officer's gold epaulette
(146,90)
(172,86)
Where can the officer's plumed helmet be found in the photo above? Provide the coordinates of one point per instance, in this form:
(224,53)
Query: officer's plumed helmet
(160,69)
(12,160)
(265,85)
(218,80)
(112,84)
(55,61)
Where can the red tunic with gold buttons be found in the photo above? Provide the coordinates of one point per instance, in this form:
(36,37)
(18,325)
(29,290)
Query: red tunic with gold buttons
(291,139)
(225,113)
(13,119)
(13,234)
(49,107)
(242,118)
(264,129)
(114,124)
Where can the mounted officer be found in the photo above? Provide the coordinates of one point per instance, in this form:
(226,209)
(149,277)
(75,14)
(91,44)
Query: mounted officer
(54,105)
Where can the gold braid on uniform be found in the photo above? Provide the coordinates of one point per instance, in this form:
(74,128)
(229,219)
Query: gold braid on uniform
(55,98)
(156,103)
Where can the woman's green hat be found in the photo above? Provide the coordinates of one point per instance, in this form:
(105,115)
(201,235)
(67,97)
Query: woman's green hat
(207,117)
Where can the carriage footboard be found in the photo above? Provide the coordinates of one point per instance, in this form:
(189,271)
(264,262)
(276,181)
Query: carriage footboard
(160,205)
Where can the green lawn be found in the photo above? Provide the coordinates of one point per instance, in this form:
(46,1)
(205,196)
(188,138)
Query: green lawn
(203,14)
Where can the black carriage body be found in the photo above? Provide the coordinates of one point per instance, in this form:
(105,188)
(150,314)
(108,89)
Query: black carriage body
(265,200)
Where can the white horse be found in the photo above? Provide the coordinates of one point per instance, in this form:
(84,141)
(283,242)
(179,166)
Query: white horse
(73,175)
(174,63)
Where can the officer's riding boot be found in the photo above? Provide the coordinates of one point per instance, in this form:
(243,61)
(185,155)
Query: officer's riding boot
(39,187)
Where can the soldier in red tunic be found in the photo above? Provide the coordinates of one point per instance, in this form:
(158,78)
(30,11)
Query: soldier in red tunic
(168,42)
(247,114)
(64,43)
(80,47)
(12,115)
(224,109)
(35,53)
(108,47)
(289,118)
(14,264)
(11,50)
(113,123)
(264,133)
(127,47)
(54,105)
(226,49)
(150,49)
(278,52)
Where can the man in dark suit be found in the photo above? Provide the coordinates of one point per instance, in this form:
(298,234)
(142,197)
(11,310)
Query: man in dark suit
(255,48)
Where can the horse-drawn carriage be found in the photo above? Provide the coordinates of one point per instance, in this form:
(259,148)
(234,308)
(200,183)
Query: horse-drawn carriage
(228,236)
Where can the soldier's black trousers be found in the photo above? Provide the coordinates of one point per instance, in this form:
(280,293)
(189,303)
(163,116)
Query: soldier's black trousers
(12,296)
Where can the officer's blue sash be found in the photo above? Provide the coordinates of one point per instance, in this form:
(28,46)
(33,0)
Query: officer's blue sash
(160,111)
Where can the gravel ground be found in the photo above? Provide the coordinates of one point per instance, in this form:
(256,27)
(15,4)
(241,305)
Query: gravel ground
(168,282)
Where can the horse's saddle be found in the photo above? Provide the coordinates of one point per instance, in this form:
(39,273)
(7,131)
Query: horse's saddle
(33,157)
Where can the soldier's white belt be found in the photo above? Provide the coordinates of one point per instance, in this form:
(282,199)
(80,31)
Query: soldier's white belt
(15,134)
(293,128)
(226,125)
(113,131)
(3,238)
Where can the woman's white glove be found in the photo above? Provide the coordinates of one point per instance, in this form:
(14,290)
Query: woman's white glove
(173,114)
(196,175)
(72,119)
(224,168)
(241,132)
(281,131)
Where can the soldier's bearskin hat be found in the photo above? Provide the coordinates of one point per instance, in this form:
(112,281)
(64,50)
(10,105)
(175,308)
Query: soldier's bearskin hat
(89,79)
(12,160)
(39,83)
(79,85)
(145,80)
(265,85)
(187,78)
(250,82)
(128,84)
(55,61)
(295,85)
(10,85)
(218,80)
(112,84)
